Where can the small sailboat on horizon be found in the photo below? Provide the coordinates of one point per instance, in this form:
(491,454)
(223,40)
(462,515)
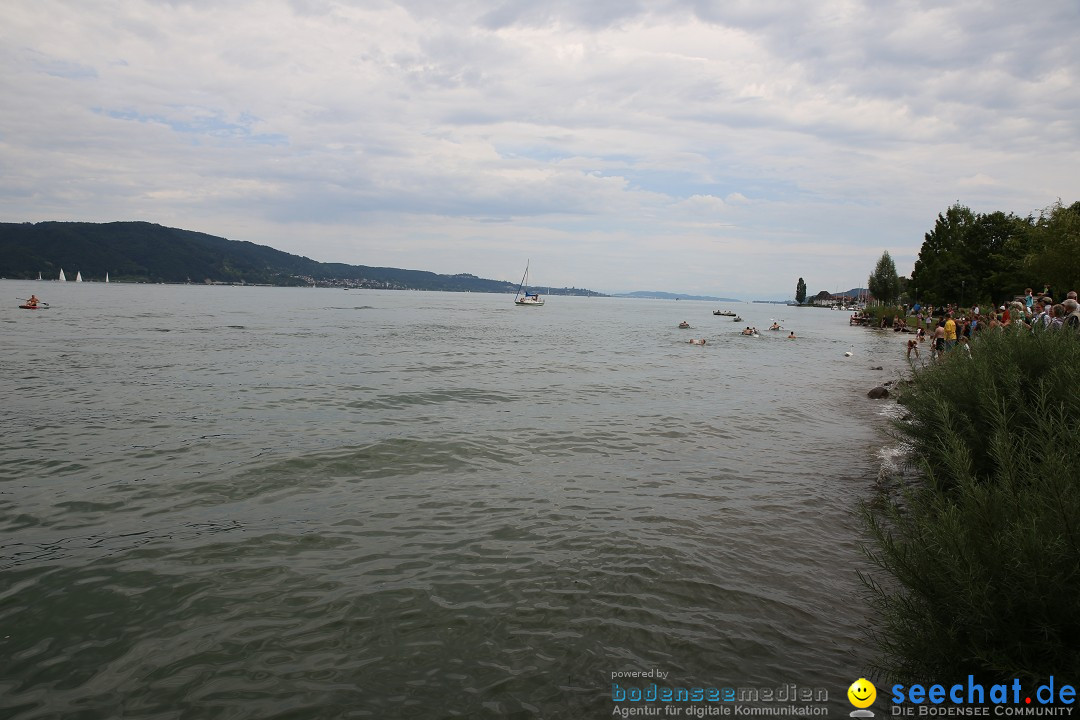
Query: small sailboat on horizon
(62,278)
(533,299)
(78,276)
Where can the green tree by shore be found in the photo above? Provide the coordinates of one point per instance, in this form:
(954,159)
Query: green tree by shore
(1055,247)
(883,282)
(981,258)
(800,291)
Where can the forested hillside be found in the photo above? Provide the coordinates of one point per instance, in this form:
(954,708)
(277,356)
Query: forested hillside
(145,252)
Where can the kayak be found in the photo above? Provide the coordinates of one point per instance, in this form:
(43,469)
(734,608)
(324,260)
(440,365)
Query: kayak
(34,307)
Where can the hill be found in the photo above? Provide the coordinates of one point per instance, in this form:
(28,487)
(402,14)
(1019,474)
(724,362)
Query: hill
(145,252)
(660,295)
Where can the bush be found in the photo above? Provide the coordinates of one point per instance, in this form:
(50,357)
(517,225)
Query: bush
(887,311)
(982,557)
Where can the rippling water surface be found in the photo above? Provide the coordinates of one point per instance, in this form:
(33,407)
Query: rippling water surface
(261,502)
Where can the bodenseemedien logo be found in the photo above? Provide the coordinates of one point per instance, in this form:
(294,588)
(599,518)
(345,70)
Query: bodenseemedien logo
(862,694)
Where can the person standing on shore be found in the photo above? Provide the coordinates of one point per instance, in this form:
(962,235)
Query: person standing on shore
(938,350)
(1042,318)
(1058,321)
(1072,314)
(1072,317)
(950,332)
(1016,319)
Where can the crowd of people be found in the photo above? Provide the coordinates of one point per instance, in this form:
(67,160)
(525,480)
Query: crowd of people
(952,327)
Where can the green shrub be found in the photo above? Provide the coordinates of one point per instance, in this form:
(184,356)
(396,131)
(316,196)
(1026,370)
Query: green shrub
(886,311)
(980,560)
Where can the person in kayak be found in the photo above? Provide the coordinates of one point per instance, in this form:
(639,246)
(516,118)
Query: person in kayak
(33,301)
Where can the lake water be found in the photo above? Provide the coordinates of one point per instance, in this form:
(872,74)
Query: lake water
(224,502)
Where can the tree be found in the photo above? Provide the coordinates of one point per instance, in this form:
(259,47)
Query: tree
(994,251)
(972,257)
(975,258)
(1055,249)
(884,284)
(800,292)
(904,290)
(940,260)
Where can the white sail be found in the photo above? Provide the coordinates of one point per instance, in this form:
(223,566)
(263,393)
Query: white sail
(106,277)
(78,276)
(62,278)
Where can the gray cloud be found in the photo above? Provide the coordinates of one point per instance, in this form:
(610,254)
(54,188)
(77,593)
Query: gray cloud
(725,147)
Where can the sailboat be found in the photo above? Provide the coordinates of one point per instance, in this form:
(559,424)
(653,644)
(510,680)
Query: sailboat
(62,278)
(106,277)
(526,298)
(78,276)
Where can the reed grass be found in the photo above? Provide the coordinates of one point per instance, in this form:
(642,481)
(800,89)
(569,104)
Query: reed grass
(978,563)
(883,311)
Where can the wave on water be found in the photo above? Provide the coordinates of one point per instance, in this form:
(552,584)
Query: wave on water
(448,507)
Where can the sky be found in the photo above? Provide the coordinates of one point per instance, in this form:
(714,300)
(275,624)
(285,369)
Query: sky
(723,147)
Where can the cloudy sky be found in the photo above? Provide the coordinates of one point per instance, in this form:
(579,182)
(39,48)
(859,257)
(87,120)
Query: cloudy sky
(723,147)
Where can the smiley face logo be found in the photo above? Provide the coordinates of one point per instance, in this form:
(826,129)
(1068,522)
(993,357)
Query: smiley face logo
(862,693)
